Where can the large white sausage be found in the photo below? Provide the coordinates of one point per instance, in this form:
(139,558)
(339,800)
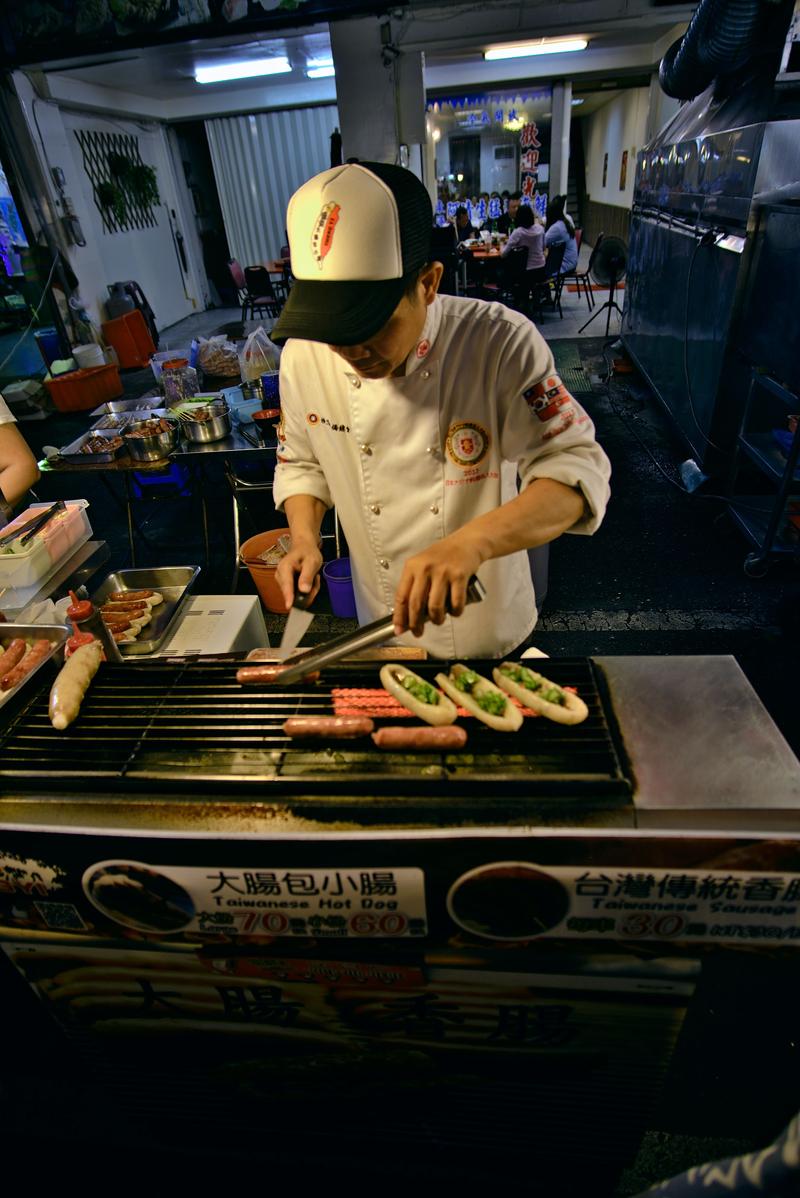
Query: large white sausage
(474,691)
(417,695)
(72,683)
(539,694)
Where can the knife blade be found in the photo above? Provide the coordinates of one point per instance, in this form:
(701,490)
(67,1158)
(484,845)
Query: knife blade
(352,642)
(297,624)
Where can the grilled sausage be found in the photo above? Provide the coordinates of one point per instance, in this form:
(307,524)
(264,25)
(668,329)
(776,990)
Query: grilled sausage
(15,651)
(418,696)
(447,736)
(481,698)
(340,727)
(66,693)
(541,695)
(36,654)
(266,673)
(137,607)
(152,597)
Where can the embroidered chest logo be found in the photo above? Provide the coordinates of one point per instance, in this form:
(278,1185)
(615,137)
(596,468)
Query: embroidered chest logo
(324,229)
(467,443)
(548,398)
(313,419)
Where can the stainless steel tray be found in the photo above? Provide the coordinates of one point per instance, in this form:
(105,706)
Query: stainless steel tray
(56,633)
(72,452)
(128,405)
(119,422)
(172,582)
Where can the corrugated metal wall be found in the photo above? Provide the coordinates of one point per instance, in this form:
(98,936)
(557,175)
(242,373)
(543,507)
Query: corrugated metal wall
(259,161)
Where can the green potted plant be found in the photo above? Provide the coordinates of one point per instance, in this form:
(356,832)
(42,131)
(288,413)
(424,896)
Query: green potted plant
(112,199)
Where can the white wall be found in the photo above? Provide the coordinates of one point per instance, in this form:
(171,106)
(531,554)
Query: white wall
(619,125)
(146,255)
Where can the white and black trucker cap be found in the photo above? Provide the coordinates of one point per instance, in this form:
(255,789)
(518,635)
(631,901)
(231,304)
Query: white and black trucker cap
(357,235)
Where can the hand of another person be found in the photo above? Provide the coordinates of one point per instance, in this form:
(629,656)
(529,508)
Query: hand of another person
(299,569)
(434,583)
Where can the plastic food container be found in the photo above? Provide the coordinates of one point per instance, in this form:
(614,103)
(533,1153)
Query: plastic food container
(82,389)
(166,355)
(64,533)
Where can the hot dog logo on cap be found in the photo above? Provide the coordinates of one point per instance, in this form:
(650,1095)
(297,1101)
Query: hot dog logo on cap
(467,443)
(324,229)
(547,398)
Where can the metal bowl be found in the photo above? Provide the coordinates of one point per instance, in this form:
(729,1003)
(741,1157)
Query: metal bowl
(213,426)
(145,446)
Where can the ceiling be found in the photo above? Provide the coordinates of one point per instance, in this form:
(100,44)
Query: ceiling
(626,41)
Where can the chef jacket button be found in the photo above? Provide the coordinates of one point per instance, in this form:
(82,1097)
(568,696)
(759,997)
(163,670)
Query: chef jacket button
(367,449)
(435,509)
(375,508)
(384,563)
(355,381)
(426,374)
(433,450)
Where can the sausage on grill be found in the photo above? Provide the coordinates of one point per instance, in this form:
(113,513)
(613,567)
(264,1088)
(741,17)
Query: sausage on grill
(340,727)
(267,673)
(447,736)
(66,693)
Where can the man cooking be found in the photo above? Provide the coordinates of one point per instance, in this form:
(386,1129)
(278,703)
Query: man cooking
(414,414)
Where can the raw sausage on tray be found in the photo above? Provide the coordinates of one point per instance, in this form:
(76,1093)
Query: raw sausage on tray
(341,727)
(15,651)
(153,597)
(35,655)
(444,736)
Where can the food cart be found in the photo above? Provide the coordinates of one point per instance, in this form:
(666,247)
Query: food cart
(492,953)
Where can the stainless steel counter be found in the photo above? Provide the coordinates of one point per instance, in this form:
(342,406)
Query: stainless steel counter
(705,752)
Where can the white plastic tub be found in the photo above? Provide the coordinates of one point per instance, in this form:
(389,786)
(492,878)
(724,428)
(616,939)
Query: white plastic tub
(57,540)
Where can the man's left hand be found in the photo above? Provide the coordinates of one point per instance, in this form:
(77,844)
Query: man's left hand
(434,583)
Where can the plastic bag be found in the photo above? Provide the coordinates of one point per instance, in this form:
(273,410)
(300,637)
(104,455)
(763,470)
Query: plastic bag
(218,356)
(256,356)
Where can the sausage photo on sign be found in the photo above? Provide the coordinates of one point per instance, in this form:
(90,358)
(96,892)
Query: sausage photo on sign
(481,698)
(539,694)
(418,696)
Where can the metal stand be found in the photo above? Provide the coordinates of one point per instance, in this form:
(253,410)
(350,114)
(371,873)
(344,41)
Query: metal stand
(610,303)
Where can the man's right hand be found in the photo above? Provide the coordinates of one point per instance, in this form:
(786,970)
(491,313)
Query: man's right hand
(299,571)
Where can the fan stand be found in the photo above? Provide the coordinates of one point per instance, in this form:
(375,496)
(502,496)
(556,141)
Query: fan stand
(610,303)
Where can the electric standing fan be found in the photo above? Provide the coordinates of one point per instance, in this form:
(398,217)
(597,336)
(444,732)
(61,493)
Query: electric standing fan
(607,267)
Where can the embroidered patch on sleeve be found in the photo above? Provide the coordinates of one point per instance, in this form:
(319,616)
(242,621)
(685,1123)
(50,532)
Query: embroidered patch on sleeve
(548,398)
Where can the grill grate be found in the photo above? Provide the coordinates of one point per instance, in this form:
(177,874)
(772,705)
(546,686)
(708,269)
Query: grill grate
(190,728)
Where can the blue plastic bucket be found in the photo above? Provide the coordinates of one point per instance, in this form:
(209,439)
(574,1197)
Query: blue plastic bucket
(339,581)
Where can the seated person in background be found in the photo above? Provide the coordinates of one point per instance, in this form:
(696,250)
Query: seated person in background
(529,236)
(508,220)
(464,229)
(560,229)
(18,469)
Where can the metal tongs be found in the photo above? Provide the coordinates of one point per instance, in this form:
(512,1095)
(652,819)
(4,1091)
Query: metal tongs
(299,665)
(31,527)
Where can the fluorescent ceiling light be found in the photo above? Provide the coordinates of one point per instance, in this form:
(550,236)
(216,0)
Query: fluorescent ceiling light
(575,103)
(242,70)
(320,72)
(562,45)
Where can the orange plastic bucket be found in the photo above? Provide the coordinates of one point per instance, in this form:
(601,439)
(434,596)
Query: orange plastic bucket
(262,575)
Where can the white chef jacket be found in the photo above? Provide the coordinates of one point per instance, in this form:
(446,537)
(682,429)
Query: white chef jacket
(409,460)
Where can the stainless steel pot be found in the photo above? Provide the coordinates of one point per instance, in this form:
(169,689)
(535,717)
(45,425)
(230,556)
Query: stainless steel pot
(146,446)
(212,422)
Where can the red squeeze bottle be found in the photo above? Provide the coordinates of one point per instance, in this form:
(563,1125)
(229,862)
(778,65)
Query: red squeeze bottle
(89,625)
